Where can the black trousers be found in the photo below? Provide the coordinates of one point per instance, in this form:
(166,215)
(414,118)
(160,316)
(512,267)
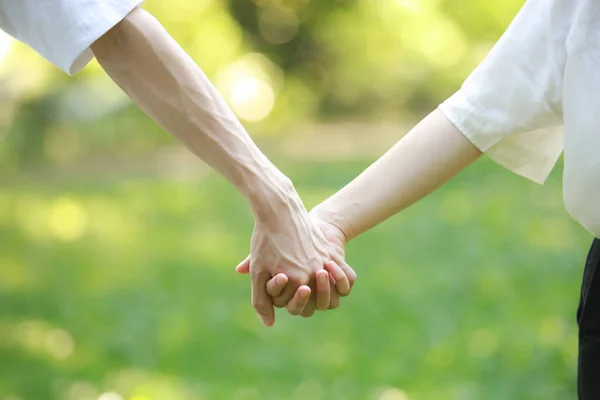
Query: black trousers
(588,320)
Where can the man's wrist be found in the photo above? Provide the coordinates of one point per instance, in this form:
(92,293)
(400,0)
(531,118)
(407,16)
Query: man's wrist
(271,196)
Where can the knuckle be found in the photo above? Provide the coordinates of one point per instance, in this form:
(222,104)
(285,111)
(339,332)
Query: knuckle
(315,264)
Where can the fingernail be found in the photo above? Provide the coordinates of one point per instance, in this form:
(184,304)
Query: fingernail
(280,280)
(304,294)
(323,278)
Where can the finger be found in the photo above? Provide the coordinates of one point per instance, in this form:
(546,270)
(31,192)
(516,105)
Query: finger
(299,301)
(323,294)
(285,296)
(261,301)
(334,302)
(244,266)
(276,285)
(350,274)
(342,285)
(308,311)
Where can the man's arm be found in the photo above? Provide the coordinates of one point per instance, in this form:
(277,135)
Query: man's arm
(422,161)
(148,64)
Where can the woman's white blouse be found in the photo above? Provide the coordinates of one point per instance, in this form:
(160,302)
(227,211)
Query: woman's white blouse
(537,93)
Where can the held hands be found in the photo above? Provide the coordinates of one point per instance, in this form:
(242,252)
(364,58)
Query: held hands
(297,261)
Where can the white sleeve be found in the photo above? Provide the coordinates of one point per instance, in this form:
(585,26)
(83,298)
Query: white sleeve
(63,30)
(510,107)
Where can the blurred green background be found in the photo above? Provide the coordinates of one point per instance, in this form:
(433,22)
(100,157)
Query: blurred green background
(118,248)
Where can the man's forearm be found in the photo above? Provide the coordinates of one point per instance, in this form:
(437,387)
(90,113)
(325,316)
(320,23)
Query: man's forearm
(428,156)
(149,65)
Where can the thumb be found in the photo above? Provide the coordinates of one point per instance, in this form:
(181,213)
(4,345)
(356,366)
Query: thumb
(244,266)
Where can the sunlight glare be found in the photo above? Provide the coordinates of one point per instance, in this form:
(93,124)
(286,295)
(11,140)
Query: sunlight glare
(252,99)
(248,87)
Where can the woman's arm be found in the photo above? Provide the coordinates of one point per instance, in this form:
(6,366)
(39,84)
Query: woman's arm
(422,161)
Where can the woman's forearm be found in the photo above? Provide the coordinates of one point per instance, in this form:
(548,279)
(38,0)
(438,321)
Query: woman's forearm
(149,65)
(422,161)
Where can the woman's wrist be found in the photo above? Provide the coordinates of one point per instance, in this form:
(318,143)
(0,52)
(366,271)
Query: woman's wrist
(328,213)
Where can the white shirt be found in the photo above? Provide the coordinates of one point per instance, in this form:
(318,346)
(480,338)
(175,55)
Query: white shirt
(62,30)
(543,74)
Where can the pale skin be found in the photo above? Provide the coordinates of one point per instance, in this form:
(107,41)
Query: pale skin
(432,153)
(293,255)
(301,303)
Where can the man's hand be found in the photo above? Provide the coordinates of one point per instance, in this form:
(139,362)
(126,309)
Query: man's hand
(335,280)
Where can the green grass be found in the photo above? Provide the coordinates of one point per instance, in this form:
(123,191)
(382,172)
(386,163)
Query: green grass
(128,285)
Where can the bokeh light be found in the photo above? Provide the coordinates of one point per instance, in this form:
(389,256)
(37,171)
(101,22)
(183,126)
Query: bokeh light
(81,390)
(249,87)
(59,343)
(278,25)
(110,396)
(393,394)
(67,219)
